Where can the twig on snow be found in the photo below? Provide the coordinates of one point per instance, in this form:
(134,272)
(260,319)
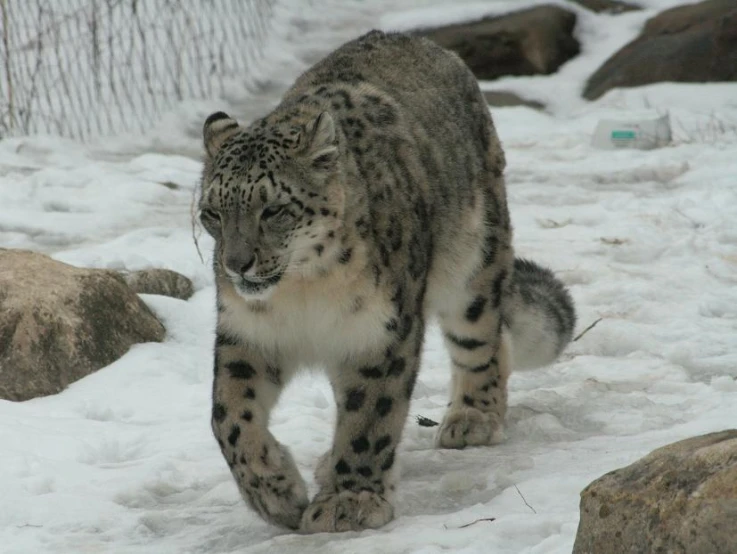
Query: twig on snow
(28,525)
(695,224)
(489,519)
(582,333)
(525,501)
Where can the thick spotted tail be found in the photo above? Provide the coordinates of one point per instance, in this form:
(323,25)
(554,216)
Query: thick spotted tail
(539,317)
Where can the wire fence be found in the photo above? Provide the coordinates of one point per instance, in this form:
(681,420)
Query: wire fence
(84,68)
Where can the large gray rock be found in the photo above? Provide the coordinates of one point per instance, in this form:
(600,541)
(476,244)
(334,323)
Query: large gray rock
(607,6)
(692,43)
(160,281)
(528,42)
(59,323)
(679,499)
(505,99)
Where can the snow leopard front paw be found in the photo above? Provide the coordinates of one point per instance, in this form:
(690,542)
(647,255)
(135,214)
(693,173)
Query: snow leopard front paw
(465,426)
(272,485)
(346,511)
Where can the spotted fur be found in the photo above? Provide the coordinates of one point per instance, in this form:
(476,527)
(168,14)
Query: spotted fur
(369,200)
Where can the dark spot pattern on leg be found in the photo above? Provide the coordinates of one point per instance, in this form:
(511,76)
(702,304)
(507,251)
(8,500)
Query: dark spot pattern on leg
(216,363)
(475,309)
(342,467)
(481,368)
(396,368)
(354,400)
(235,432)
(466,343)
(389,462)
(364,471)
(381,443)
(223,339)
(384,254)
(250,393)
(468,401)
(247,415)
(348,484)
(372,372)
(240,370)
(490,250)
(497,288)
(360,445)
(345,256)
(383,405)
(410,385)
(219,412)
(494,383)
(273,374)
(406,327)
(398,298)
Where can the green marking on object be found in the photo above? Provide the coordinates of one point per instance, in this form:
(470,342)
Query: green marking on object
(623,135)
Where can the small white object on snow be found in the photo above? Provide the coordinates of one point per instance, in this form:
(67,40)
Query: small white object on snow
(643,132)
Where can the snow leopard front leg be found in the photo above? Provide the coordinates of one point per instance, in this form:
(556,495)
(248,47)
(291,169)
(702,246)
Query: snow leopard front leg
(356,480)
(245,389)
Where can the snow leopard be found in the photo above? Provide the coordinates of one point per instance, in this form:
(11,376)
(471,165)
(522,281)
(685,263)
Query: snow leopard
(370,200)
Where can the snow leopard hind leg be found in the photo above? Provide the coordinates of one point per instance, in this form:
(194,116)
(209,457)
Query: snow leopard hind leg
(537,319)
(479,352)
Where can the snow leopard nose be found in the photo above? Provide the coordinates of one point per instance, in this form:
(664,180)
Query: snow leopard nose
(241,262)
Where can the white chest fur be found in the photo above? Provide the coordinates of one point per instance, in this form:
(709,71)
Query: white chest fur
(326,322)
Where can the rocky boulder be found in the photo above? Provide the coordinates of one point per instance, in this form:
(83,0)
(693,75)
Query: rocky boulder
(505,99)
(160,281)
(528,42)
(679,499)
(692,43)
(59,323)
(607,6)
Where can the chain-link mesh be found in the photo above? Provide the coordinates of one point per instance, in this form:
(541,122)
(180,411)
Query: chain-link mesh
(82,68)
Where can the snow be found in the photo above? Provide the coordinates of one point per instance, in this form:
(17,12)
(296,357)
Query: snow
(123,461)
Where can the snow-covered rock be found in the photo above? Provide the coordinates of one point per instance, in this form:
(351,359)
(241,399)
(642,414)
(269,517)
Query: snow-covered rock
(526,42)
(693,43)
(607,6)
(160,281)
(681,498)
(59,323)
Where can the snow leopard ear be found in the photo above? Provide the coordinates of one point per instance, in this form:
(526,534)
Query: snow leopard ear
(218,127)
(321,146)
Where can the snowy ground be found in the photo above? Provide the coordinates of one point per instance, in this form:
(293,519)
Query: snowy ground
(124,462)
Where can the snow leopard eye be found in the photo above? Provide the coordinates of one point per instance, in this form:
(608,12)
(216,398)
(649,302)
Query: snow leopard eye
(272,211)
(210,216)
